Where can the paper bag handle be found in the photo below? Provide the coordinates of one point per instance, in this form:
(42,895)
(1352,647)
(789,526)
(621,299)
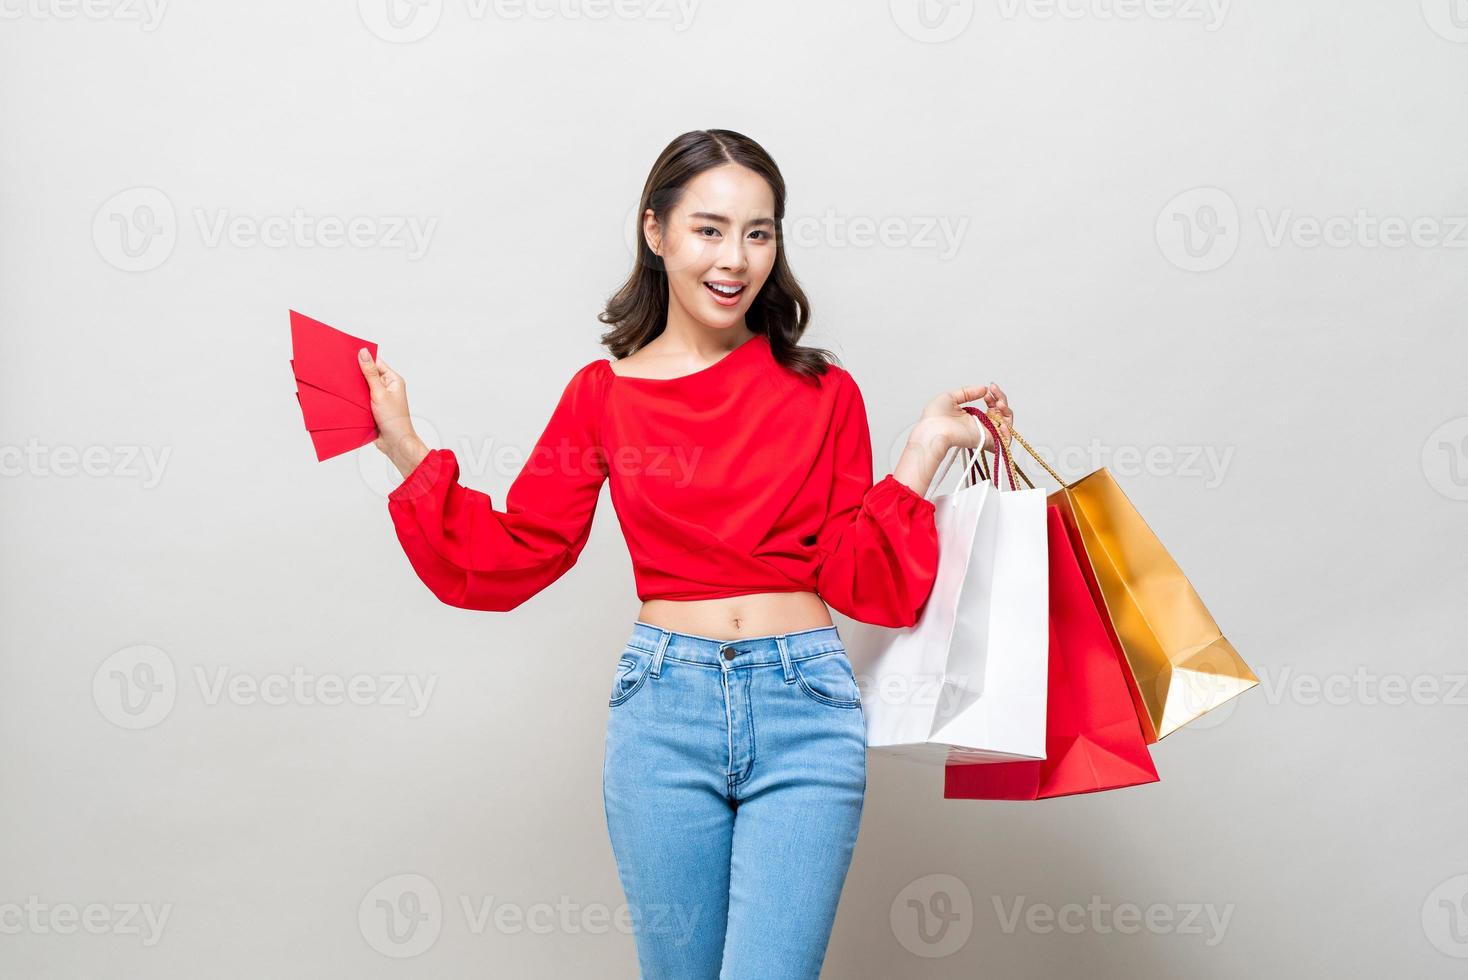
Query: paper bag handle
(969,465)
(990,420)
(1064,484)
(974,459)
(1001,450)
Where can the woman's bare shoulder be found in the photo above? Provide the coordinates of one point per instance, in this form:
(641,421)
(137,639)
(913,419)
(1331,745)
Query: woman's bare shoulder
(631,366)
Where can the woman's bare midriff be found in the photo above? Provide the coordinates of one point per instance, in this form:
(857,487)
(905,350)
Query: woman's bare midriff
(739,617)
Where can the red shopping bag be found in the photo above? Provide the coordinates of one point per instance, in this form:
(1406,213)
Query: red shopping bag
(1093,737)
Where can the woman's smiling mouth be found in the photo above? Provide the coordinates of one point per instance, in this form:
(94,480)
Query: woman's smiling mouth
(725,292)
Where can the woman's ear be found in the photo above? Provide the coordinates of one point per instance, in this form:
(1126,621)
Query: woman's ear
(652,231)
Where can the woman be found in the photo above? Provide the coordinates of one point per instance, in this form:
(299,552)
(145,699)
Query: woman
(740,467)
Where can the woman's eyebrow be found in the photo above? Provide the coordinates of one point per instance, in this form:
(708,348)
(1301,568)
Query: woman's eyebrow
(710,216)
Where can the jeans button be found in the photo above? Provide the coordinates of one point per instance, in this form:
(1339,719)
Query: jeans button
(730,653)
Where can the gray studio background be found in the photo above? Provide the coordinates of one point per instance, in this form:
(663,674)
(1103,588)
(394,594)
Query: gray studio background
(1219,249)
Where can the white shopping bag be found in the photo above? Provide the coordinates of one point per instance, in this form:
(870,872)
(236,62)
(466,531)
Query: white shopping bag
(968,682)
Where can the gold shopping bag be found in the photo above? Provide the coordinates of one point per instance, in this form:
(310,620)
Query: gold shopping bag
(1181,665)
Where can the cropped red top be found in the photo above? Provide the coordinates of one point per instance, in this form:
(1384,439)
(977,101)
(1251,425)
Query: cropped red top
(742,477)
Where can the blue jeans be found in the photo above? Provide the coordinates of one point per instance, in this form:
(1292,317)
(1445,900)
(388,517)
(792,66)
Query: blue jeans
(734,778)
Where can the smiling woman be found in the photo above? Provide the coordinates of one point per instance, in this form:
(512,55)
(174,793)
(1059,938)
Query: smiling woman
(740,468)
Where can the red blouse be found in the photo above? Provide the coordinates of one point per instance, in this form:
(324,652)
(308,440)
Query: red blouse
(742,477)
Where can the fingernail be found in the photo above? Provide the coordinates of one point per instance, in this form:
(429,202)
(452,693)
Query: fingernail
(362,355)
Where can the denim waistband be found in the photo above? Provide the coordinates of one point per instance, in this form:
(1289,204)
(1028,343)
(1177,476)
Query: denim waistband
(748,651)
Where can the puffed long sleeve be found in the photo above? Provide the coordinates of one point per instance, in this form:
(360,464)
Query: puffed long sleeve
(475,557)
(879,545)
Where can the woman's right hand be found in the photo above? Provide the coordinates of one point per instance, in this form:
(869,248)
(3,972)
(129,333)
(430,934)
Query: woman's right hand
(395,436)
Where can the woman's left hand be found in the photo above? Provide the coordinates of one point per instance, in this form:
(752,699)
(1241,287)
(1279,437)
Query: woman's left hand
(946,416)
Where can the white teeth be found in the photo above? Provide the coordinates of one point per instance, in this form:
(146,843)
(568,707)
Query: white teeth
(725,290)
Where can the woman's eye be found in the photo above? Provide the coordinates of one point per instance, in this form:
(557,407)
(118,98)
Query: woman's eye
(765,235)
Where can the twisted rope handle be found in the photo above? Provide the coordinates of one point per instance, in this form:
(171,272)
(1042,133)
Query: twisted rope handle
(1001,450)
(990,420)
(1064,484)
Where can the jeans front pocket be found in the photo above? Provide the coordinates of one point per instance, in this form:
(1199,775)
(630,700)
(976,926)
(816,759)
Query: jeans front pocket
(631,673)
(827,679)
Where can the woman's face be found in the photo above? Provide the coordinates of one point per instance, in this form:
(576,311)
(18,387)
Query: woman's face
(720,234)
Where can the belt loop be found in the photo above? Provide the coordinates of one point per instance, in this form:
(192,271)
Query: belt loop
(785,659)
(657,656)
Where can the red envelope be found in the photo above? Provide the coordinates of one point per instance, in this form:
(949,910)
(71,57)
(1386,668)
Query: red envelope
(323,410)
(332,393)
(334,442)
(327,358)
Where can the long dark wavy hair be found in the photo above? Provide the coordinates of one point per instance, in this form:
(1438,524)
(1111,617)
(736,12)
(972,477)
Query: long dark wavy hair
(638,311)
